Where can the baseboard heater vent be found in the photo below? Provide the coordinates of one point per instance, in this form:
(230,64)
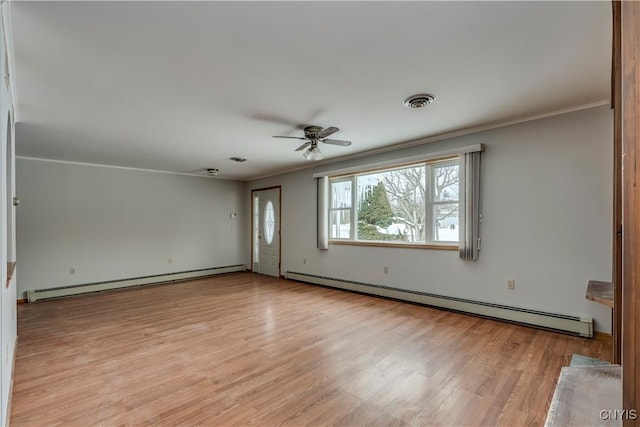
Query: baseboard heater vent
(573,325)
(64,291)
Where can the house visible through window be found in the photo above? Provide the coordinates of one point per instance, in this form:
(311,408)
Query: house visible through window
(413,204)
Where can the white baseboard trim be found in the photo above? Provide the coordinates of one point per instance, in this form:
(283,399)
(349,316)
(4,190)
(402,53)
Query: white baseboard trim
(63,291)
(573,325)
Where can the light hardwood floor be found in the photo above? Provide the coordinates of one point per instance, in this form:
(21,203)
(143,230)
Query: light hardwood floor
(254,350)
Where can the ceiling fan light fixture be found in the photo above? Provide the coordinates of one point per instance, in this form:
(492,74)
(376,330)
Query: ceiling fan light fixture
(313,153)
(313,135)
(316,154)
(418,101)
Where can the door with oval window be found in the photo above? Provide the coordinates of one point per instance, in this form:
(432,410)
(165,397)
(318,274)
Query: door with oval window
(266,231)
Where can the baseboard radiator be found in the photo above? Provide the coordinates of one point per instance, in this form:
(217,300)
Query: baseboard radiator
(573,325)
(64,291)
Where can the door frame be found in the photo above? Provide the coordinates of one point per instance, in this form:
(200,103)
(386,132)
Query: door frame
(628,90)
(273,187)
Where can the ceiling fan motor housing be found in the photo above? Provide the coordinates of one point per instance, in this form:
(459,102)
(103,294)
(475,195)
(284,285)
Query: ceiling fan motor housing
(311,131)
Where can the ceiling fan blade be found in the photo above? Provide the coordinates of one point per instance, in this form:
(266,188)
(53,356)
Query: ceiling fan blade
(337,142)
(326,132)
(290,137)
(303,146)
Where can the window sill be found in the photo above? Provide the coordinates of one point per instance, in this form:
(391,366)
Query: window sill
(394,245)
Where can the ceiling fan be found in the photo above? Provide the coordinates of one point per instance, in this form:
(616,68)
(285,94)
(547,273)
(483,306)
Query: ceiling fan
(313,135)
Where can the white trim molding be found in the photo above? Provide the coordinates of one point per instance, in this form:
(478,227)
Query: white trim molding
(394,162)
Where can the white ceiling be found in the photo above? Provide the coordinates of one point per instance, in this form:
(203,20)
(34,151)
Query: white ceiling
(181,86)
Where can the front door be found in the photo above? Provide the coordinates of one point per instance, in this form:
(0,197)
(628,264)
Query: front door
(266,231)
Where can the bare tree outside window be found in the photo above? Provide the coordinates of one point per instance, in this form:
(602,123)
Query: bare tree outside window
(445,202)
(406,192)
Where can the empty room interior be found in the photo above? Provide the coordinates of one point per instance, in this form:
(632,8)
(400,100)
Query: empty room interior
(320,213)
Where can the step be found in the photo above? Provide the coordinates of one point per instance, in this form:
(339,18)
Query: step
(587,396)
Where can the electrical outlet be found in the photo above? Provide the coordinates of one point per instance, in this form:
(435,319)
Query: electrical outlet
(511,284)
(386,269)
(304,260)
(170,261)
(72,270)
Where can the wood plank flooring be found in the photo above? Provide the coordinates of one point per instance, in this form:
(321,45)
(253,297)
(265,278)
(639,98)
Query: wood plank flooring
(244,349)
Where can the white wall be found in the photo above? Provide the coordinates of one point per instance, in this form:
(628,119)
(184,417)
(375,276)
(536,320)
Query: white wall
(547,207)
(111,223)
(7,243)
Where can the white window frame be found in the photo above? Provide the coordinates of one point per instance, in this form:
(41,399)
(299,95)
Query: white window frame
(430,204)
(351,208)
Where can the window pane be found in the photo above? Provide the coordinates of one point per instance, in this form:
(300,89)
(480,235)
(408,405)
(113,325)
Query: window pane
(340,224)
(446,182)
(269,222)
(391,205)
(341,194)
(446,223)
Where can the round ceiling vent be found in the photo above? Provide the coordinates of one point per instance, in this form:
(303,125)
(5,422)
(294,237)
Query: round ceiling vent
(419,101)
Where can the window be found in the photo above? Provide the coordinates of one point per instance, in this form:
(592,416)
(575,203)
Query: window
(269,222)
(340,209)
(413,204)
